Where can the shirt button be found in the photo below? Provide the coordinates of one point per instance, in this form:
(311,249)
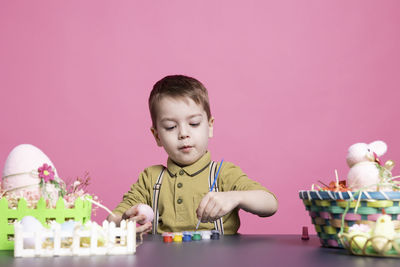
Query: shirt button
(181,172)
(179,185)
(179,201)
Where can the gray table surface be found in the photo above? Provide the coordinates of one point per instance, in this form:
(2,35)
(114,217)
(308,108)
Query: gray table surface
(229,251)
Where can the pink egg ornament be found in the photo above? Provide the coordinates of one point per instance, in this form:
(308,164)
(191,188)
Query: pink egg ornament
(147,211)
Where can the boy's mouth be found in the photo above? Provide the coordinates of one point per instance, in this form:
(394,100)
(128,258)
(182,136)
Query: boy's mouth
(185,148)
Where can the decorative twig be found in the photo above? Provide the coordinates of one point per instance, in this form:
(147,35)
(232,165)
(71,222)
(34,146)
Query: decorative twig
(100,205)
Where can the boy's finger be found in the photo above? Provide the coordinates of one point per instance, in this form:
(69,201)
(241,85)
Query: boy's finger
(149,227)
(144,228)
(133,211)
(215,214)
(202,205)
(211,205)
(206,210)
(139,219)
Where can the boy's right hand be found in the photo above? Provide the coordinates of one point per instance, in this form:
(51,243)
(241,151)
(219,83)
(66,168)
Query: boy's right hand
(132,214)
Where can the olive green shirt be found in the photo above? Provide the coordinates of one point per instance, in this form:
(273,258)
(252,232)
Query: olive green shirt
(182,190)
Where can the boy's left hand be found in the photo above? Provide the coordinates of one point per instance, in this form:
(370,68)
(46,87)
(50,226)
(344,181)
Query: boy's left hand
(214,205)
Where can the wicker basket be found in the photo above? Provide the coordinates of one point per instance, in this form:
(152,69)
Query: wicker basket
(326,209)
(81,212)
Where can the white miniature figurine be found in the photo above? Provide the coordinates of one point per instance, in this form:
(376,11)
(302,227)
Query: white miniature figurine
(365,172)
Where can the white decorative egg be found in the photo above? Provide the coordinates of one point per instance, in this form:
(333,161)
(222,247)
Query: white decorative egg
(20,173)
(32,225)
(147,211)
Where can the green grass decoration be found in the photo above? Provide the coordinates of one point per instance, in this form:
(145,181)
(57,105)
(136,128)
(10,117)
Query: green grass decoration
(81,212)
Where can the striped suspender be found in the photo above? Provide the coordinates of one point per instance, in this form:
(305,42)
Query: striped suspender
(156,193)
(219,225)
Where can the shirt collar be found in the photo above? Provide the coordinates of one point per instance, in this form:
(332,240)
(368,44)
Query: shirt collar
(191,170)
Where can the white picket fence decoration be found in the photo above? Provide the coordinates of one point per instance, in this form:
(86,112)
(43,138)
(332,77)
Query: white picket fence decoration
(115,240)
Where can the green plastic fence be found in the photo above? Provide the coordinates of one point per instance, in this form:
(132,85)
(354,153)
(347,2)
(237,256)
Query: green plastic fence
(81,212)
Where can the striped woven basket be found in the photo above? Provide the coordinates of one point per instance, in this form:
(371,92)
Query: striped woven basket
(326,209)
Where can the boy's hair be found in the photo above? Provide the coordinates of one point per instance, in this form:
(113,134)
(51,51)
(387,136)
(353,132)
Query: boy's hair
(178,86)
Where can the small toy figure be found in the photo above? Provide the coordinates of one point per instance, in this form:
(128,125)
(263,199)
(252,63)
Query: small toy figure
(383,233)
(366,172)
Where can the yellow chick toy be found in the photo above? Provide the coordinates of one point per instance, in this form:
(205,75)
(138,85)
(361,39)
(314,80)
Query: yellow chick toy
(383,232)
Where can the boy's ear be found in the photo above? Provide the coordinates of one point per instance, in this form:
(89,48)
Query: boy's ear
(211,127)
(155,134)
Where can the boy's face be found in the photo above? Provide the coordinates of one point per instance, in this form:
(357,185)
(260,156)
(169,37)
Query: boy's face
(182,129)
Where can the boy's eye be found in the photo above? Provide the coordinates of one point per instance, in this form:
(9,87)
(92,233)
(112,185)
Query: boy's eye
(170,128)
(195,124)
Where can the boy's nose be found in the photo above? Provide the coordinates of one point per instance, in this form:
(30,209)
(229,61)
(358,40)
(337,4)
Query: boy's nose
(183,133)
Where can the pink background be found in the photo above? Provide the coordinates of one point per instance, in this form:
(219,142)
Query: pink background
(292,85)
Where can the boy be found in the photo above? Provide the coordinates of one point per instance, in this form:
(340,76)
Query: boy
(182,125)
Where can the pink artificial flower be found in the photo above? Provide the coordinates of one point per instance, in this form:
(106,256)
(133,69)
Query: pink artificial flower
(46,173)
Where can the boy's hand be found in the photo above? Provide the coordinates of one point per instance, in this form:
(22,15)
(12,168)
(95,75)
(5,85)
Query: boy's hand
(214,205)
(132,214)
